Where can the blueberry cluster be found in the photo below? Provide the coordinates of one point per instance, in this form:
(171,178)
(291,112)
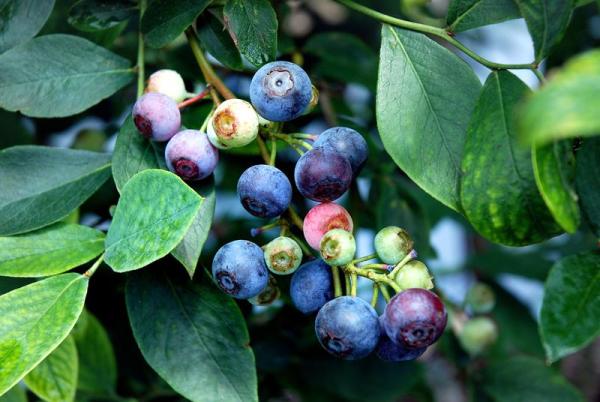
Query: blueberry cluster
(346,326)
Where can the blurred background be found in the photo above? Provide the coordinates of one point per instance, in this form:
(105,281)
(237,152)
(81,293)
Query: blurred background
(339,50)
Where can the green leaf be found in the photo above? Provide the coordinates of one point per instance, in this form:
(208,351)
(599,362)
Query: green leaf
(97,364)
(217,42)
(425,95)
(188,250)
(154,212)
(42,185)
(554,168)
(165,20)
(49,251)
(468,14)
(568,105)
(98,15)
(202,329)
(253,27)
(498,189)
(343,57)
(523,378)
(571,307)
(547,21)
(59,75)
(21,20)
(588,182)
(133,153)
(13,130)
(55,378)
(34,320)
(15,394)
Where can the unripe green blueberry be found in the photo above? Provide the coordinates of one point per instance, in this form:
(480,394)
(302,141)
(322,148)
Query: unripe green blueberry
(235,123)
(392,244)
(338,247)
(167,82)
(268,295)
(283,256)
(481,298)
(414,274)
(478,334)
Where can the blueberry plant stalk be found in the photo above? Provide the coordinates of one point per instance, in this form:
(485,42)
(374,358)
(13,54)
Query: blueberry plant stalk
(140,54)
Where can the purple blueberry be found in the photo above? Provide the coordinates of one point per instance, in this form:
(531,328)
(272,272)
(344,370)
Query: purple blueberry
(239,269)
(348,143)
(311,286)
(264,191)
(190,155)
(390,352)
(414,318)
(347,327)
(322,175)
(280,91)
(156,116)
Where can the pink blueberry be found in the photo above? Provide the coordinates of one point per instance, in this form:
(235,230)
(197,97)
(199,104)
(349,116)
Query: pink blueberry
(322,218)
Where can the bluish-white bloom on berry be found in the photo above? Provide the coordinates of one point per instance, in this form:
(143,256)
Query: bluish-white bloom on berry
(190,155)
(239,269)
(156,116)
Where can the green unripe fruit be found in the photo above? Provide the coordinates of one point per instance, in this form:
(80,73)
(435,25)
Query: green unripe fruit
(478,334)
(338,247)
(481,298)
(414,274)
(392,244)
(283,256)
(234,124)
(167,82)
(268,295)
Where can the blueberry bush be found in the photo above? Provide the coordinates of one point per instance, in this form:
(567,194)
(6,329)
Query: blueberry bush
(244,200)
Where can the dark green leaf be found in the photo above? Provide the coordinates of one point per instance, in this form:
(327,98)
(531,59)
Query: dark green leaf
(13,130)
(42,185)
(34,320)
(55,378)
(217,42)
(253,27)
(154,212)
(498,189)
(188,251)
(59,75)
(193,335)
(547,21)
(15,394)
(571,307)
(554,168)
(588,182)
(522,378)
(425,95)
(98,15)
(568,105)
(165,20)
(496,261)
(467,14)
(133,153)
(49,251)
(97,364)
(21,20)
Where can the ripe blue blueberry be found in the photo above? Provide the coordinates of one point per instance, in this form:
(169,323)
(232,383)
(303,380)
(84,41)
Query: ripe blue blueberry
(280,91)
(414,318)
(264,191)
(322,175)
(347,327)
(348,143)
(239,269)
(390,352)
(156,116)
(190,155)
(311,286)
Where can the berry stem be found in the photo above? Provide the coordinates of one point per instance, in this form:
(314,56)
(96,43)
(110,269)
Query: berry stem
(94,267)
(337,284)
(263,149)
(354,280)
(196,98)
(365,258)
(209,74)
(439,32)
(303,136)
(347,281)
(296,220)
(385,267)
(374,276)
(273,152)
(206,120)
(305,250)
(256,231)
(384,292)
(402,263)
(140,53)
(539,75)
(375,294)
